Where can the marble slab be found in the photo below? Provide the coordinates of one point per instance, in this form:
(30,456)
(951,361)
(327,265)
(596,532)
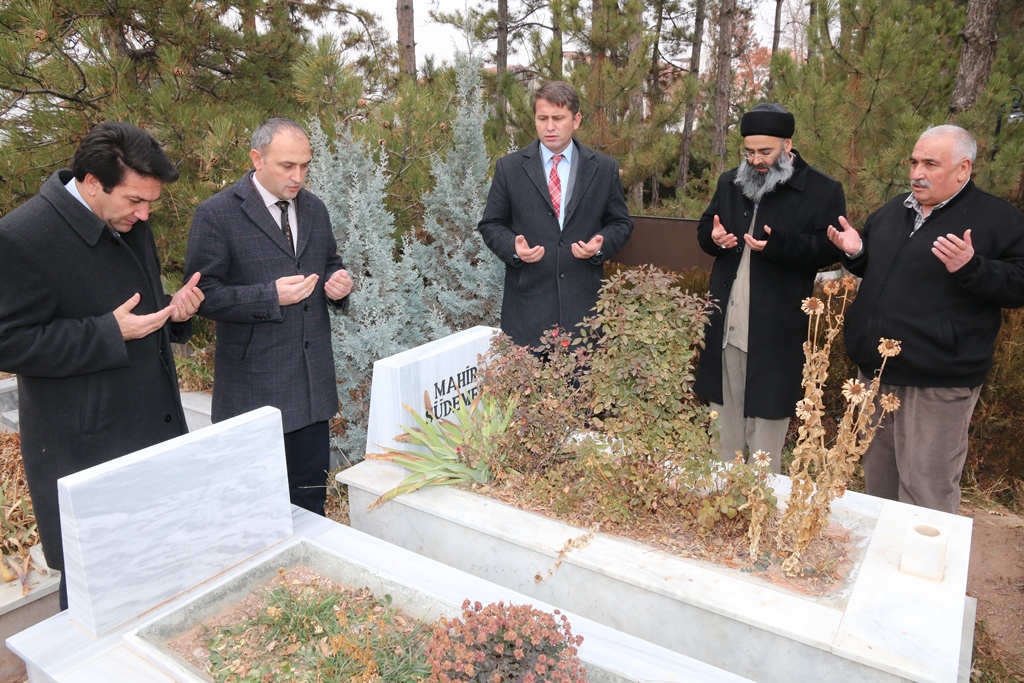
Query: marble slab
(57,651)
(140,529)
(444,369)
(198,405)
(883,626)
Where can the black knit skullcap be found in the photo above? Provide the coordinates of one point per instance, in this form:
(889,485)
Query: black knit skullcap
(768,119)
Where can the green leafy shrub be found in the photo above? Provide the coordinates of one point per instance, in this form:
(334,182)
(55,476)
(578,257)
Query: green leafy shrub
(550,406)
(645,337)
(629,379)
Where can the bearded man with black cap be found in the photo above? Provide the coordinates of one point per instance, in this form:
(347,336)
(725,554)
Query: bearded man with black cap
(766,227)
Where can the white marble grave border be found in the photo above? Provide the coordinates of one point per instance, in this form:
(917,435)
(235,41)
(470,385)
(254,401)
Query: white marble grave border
(889,626)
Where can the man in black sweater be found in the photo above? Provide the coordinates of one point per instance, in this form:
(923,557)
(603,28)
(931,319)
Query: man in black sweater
(939,264)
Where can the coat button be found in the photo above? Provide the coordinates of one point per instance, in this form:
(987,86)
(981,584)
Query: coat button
(305,307)
(298,264)
(167,418)
(115,241)
(306,345)
(561,242)
(561,275)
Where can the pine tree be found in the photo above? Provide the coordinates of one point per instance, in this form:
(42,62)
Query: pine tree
(870,90)
(199,76)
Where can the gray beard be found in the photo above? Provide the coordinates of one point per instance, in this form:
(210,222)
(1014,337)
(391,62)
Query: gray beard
(755,185)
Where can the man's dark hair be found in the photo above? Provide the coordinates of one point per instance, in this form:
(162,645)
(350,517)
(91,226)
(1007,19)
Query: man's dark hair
(111,147)
(558,93)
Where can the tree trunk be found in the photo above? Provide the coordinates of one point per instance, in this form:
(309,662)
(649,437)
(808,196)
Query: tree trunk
(599,55)
(976,55)
(777,33)
(501,63)
(691,103)
(776,39)
(723,87)
(406,38)
(636,105)
(555,7)
(654,87)
(812,26)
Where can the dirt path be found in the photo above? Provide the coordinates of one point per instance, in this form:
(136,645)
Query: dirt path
(996,579)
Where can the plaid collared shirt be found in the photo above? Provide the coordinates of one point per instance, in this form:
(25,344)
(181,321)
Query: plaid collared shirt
(911,203)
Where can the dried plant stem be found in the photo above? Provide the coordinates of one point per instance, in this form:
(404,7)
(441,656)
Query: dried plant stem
(820,473)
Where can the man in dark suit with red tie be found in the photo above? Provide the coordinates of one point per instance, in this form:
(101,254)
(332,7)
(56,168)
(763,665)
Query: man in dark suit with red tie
(270,268)
(555,213)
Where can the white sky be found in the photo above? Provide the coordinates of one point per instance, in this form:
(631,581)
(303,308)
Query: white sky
(442,40)
(431,38)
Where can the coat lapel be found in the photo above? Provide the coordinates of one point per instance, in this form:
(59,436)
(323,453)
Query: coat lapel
(584,176)
(302,212)
(533,167)
(256,210)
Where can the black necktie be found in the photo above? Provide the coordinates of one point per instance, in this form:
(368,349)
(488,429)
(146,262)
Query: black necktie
(285,226)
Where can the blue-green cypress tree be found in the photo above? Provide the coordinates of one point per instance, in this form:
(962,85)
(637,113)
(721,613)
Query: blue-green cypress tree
(462,279)
(389,312)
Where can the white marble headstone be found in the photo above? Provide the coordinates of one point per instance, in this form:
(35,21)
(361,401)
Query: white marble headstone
(445,369)
(141,529)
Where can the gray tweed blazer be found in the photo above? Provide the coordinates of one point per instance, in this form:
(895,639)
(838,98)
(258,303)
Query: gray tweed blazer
(266,354)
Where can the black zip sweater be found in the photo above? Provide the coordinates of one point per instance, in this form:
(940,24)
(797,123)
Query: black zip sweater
(947,322)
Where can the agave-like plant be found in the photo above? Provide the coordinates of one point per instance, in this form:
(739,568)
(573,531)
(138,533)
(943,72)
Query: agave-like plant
(454,451)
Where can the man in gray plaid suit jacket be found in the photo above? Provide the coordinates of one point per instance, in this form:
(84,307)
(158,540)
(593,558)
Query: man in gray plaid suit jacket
(270,268)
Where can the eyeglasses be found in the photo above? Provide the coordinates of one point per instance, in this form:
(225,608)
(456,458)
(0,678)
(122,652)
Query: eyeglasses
(751,154)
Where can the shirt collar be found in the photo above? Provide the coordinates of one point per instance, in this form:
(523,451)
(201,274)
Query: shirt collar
(72,187)
(546,153)
(268,199)
(911,201)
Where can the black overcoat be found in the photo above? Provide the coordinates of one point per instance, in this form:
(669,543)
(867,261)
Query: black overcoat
(560,289)
(781,276)
(85,395)
(267,354)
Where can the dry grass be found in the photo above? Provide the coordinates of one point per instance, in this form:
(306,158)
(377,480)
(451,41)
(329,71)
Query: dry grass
(990,663)
(336,508)
(827,561)
(19,522)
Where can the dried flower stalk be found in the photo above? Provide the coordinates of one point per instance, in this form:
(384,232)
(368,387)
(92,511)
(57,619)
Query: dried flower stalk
(819,473)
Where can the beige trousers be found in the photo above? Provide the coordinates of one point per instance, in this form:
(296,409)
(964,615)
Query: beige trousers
(736,432)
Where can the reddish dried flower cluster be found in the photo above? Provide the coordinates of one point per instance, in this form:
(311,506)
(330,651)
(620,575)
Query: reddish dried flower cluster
(503,644)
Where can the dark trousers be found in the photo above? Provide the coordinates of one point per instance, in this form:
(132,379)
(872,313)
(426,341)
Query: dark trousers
(307,452)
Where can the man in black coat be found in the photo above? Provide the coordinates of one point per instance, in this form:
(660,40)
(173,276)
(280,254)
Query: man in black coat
(84,321)
(555,213)
(766,227)
(270,268)
(939,264)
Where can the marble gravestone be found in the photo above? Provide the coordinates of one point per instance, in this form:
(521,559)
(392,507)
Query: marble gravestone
(155,536)
(143,528)
(444,370)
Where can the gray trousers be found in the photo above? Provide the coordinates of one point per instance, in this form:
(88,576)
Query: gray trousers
(736,432)
(918,453)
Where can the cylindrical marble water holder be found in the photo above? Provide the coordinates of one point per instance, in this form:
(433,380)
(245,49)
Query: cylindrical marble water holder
(924,551)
